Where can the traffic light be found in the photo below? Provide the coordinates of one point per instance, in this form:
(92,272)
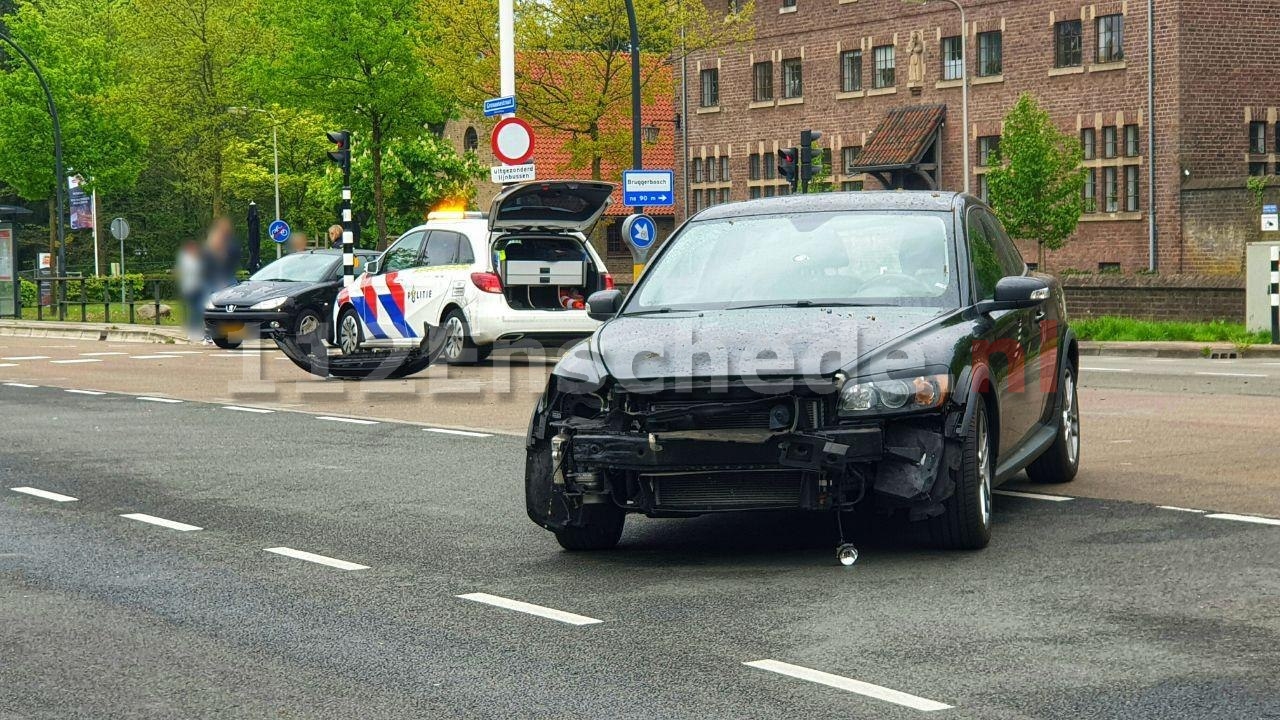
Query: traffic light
(787,161)
(342,155)
(810,161)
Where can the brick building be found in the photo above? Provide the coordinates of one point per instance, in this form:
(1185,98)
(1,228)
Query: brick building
(881,80)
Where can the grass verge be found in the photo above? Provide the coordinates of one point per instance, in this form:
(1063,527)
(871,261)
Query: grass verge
(1119,329)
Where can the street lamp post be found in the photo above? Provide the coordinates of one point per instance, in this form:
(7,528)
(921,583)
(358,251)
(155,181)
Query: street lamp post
(59,177)
(964,82)
(275,154)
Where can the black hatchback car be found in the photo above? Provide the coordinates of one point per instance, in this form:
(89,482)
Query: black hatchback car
(887,350)
(293,295)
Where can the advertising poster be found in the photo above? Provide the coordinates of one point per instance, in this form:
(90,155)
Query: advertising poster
(81,204)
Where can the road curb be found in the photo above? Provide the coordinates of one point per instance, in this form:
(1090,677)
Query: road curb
(93,331)
(1177,350)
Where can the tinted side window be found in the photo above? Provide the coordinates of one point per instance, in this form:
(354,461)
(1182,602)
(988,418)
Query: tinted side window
(1011,261)
(442,249)
(404,254)
(465,254)
(986,266)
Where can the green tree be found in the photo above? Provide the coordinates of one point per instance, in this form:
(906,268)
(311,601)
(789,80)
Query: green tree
(359,63)
(1035,186)
(573,71)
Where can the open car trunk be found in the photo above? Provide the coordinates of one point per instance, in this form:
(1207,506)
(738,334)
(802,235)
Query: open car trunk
(545,272)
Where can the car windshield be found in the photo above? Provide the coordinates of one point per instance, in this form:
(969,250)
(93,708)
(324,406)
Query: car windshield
(822,258)
(298,267)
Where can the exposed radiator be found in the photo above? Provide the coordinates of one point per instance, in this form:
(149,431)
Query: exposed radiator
(728,490)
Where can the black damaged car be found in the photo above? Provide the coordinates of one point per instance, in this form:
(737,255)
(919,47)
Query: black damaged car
(887,350)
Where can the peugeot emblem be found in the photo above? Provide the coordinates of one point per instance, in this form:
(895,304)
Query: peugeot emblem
(231,308)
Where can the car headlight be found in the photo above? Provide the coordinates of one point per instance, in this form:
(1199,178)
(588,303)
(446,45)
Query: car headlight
(208,304)
(271,304)
(890,394)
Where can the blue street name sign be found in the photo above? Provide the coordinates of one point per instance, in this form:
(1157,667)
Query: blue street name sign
(279,230)
(648,188)
(505,105)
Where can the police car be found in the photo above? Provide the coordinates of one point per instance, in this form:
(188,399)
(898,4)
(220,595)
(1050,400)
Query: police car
(518,276)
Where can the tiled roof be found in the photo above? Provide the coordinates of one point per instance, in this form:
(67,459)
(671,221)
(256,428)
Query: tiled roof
(902,136)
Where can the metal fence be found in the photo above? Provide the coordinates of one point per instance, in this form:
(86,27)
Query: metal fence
(68,293)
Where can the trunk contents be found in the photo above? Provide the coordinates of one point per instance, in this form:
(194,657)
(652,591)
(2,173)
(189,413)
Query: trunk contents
(545,273)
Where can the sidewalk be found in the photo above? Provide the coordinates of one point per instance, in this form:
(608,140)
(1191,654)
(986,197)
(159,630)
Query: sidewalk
(115,332)
(1177,349)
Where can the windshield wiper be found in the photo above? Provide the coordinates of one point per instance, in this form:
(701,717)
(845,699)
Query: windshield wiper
(800,304)
(655,311)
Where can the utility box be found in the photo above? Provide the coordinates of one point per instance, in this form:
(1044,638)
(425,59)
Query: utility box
(1257,285)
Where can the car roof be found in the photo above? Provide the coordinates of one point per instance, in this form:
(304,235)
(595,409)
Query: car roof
(897,200)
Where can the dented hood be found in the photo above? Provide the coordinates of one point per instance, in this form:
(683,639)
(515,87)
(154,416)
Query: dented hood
(760,342)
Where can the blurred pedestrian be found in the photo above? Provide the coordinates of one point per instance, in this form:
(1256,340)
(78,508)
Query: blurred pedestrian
(299,242)
(191,285)
(335,236)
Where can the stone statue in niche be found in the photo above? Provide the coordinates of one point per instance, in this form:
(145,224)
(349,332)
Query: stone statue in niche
(915,69)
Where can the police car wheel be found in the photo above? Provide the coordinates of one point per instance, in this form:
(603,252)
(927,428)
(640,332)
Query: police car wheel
(349,336)
(458,349)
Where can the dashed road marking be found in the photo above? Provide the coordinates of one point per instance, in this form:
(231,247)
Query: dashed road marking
(464,433)
(1033,496)
(21,385)
(1227,374)
(180,352)
(1102,369)
(84,392)
(1180,509)
(353,421)
(152,357)
(531,609)
(149,398)
(171,524)
(312,557)
(26,357)
(37,492)
(8,364)
(1244,518)
(103,354)
(866,689)
(1119,442)
(75,362)
(241,408)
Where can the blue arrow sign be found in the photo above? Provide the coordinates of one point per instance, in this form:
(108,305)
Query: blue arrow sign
(279,230)
(640,231)
(505,105)
(649,188)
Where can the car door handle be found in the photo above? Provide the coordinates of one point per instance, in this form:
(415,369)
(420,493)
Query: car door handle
(1040,315)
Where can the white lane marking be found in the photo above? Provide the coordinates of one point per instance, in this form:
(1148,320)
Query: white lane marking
(179,352)
(171,524)
(1118,442)
(531,609)
(1244,518)
(240,408)
(1032,496)
(75,362)
(353,421)
(103,354)
(148,398)
(21,385)
(464,433)
(85,392)
(152,357)
(56,497)
(876,692)
(26,357)
(312,557)
(1239,375)
(8,364)
(1180,509)
(1102,369)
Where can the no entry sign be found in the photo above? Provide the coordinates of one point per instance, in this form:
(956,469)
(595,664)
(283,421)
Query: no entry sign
(512,141)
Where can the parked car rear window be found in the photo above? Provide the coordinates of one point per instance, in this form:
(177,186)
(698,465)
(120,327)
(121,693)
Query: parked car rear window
(298,267)
(854,257)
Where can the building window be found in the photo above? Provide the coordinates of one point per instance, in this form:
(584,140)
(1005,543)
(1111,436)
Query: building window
(849,157)
(1109,149)
(470,140)
(769,191)
(982,188)
(1131,188)
(1090,191)
(724,195)
(827,168)
(1258,137)
(762,81)
(753,192)
(1109,268)
(851,185)
(1068,37)
(788,3)
(696,171)
(1110,190)
(724,168)
(884,60)
(696,202)
(792,79)
(709,87)
(770,167)
(952,58)
(1110,38)
(1089,143)
(753,166)
(851,71)
(990,53)
(988,145)
(613,239)
(1131,141)
(1257,169)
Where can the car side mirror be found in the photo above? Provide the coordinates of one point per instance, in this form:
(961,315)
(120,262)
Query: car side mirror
(371,266)
(1016,292)
(604,304)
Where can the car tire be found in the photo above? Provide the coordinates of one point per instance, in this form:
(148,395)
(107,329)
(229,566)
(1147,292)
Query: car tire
(349,336)
(601,529)
(226,343)
(457,347)
(1060,462)
(965,523)
(309,331)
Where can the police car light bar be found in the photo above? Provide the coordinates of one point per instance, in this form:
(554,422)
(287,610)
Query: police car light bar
(456,215)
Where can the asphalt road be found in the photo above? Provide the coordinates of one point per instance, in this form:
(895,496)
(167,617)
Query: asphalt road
(1081,608)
